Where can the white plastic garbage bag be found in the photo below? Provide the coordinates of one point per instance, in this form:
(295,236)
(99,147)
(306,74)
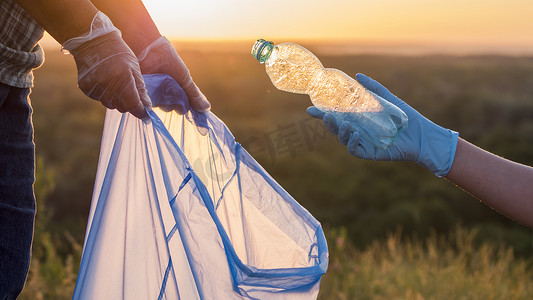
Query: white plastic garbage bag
(182,211)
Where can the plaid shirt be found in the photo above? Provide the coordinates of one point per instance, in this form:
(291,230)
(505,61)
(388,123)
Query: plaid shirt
(19,51)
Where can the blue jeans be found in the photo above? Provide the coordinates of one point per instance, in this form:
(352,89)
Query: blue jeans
(17,201)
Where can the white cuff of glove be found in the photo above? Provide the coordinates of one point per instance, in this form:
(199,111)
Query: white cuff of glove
(101,25)
(144,53)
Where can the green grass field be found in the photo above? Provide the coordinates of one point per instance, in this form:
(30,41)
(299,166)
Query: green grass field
(450,246)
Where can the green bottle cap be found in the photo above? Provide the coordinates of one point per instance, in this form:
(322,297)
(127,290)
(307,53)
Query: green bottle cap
(262,50)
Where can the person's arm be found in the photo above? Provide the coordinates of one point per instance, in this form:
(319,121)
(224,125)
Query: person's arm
(133,20)
(154,52)
(108,70)
(62,19)
(504,185)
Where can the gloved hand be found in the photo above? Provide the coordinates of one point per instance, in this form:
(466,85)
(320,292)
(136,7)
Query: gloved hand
(108,70)
(161,57)
(423,142)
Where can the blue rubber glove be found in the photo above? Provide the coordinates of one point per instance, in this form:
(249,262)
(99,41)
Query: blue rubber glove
(423,141)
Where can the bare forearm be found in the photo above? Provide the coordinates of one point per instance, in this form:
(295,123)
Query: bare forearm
(500,183)
(62,19)
(130,16)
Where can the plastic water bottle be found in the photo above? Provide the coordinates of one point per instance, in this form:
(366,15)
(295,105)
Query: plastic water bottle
(293,68)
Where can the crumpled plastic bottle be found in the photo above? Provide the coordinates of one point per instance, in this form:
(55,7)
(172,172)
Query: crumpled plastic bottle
(293,68)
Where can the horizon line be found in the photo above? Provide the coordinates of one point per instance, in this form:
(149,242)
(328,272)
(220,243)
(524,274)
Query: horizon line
(339,46)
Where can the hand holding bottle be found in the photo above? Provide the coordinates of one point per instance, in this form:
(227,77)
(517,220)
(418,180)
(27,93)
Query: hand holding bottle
(423,141)
(293,68)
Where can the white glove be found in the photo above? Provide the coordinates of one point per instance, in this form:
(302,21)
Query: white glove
(161,57)
(108,70)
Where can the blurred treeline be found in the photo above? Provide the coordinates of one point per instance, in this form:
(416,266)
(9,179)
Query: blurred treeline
(487,99)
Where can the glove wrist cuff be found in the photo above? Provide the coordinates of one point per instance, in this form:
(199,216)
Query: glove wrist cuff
(101,25)
(160,41)
(438,153)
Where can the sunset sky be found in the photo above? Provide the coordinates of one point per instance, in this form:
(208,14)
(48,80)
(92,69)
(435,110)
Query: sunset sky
(482,23)
(460,21)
